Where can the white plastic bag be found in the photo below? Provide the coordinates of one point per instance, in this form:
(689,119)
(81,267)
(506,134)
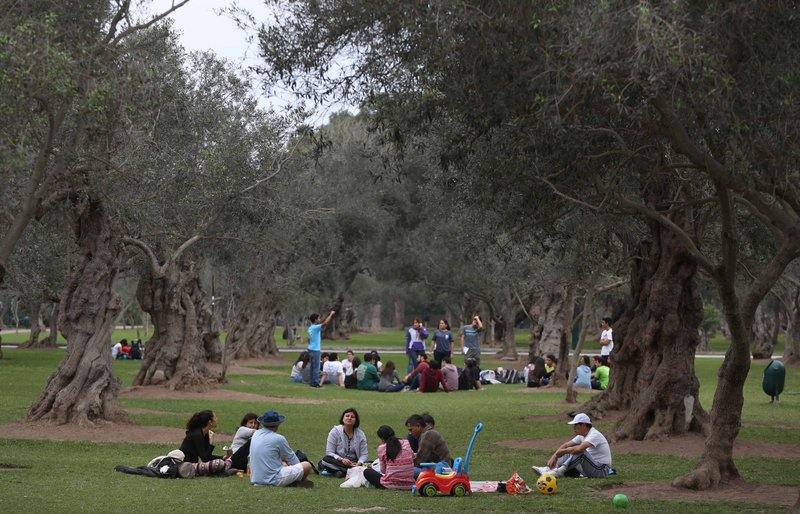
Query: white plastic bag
(355,477)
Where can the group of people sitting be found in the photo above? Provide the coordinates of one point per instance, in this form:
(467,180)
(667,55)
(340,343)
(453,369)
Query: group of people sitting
(258,449)
(124,351)
(370,374)
(266,456)
(592,374)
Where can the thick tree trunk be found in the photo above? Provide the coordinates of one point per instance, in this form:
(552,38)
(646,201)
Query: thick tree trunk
(508,315)
(253,332)
(792,353)
(716,465)
(53,337)
(175,355)
(209,331)
(703,345)
(336,329)
(375,318)
(548,332)
(765,332)
(399,314)
(652,376)
(84,388)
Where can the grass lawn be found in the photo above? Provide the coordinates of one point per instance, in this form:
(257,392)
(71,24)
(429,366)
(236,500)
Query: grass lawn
(78,476)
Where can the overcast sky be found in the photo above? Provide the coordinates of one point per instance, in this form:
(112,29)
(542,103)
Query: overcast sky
(202,29)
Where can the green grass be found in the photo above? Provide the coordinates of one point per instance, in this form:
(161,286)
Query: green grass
(78,476)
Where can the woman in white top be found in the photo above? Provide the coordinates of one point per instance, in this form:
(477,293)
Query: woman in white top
(240,447)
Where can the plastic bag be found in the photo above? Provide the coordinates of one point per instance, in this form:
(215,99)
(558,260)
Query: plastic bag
(516,485)
(355,477)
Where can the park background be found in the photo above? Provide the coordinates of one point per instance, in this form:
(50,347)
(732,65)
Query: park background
(543,165)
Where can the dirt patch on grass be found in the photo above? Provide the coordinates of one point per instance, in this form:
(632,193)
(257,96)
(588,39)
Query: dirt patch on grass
(737,492)
(251,367)
(689,445)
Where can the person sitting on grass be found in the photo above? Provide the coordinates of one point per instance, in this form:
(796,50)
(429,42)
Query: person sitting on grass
(240,447)
(390,379)
(431,378)
(347,364)
(351,380)
(367,374)
(587,454)
(346,446)
(332,371)
(450,372)
(583,374)
(198,445)
(470,376)
(432,447)
(301,372)
(396,462)
(537,374)
(413,379)
(601,373)
(272,461)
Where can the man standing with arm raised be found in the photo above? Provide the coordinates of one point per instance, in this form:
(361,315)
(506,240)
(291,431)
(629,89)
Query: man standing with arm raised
(315,344)
(470,339)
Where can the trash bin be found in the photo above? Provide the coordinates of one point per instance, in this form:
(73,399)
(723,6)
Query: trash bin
(774,378)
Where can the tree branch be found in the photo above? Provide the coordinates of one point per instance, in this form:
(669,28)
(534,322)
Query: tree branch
(156,269)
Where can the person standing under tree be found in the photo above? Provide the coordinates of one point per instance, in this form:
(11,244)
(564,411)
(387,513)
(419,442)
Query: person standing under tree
(315,344)
(470,340)
(606,337)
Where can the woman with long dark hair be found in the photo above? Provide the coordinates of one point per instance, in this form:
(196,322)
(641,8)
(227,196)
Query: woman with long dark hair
(240,447)
(390,379)
(198,445)
(537,374)
(396,462)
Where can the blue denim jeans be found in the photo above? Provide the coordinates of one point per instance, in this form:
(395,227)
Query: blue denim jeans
(315,371)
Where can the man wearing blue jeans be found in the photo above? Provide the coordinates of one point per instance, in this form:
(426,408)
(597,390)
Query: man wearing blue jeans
(314,345)
(587,454)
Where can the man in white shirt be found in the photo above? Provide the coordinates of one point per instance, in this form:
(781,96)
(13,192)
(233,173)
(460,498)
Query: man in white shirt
(606,337)
(332,371)
(347,364)
(116,349)
(586,454)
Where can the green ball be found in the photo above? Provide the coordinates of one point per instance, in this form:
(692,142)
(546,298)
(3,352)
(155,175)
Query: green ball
(620,500)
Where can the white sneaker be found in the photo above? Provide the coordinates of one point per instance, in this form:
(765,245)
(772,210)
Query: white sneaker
(540,470)
(559,471)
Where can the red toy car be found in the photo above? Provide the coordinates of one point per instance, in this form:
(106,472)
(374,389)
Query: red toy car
(437,478)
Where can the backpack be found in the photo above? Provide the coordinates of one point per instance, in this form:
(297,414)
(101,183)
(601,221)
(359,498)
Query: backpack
(510,376)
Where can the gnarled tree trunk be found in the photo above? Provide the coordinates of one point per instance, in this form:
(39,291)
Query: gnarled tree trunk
(508,314)
(84,388)
(548,332)
(792,353)
(36,329)
(765,332)
(375,318)
(253,332)
(652,375)
(716,463)
(176,353)
(209,330)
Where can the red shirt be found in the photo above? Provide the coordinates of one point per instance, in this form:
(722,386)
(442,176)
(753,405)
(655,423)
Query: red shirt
(430,379)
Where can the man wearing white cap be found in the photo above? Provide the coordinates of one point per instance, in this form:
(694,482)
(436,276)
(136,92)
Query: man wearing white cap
(586,454)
